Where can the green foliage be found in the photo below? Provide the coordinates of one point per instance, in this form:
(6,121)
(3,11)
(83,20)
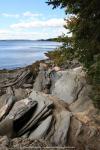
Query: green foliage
(84,24)
(56,56)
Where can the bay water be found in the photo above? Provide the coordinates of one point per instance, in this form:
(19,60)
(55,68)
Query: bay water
(20,53)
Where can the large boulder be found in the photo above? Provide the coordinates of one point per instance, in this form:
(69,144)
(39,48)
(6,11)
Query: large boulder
(65,85)
(69,85)
(38,116)
(58,128)
(26,115)
(62,124)
(42,82)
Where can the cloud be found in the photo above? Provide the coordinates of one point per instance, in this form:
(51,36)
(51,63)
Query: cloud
(21,15)
(38,24)
(30,14)
(44,33)
(10,15)
(31,26)
(13,34)
(4,31)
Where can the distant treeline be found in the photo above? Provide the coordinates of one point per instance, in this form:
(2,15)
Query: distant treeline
(51,39)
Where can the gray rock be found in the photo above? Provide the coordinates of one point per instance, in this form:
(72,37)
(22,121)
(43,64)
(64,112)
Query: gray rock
(41,98)
(42,81)
(6,127)
(41,130)
(20,93)
(62,125)
(17,117)
(23,117)
(62,118)
(46,116)
(66,85)
(19,106)
(69,85)
(83,102)
(26,114)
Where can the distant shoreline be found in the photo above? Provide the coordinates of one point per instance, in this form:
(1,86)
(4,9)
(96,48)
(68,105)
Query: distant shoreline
(49,40)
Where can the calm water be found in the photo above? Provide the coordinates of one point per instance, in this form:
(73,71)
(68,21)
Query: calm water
(15,54)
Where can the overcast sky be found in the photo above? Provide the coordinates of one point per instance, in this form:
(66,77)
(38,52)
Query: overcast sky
(29,19)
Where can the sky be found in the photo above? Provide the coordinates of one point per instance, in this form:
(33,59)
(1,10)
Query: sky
(30,19)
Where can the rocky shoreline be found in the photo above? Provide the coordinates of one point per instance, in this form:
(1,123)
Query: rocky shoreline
(47,106)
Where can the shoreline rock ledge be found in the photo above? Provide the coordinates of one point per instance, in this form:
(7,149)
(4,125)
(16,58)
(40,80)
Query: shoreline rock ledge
(56,112)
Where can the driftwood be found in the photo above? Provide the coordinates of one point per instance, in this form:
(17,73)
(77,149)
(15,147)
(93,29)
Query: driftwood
(20,80)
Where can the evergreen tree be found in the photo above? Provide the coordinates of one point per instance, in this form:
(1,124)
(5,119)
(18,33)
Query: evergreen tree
(84,24)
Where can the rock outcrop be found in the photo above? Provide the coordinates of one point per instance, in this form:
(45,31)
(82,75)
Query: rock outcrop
(69,85)
(58,111)
(65,85)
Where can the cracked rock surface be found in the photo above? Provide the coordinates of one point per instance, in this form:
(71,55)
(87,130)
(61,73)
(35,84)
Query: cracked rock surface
(57,111)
